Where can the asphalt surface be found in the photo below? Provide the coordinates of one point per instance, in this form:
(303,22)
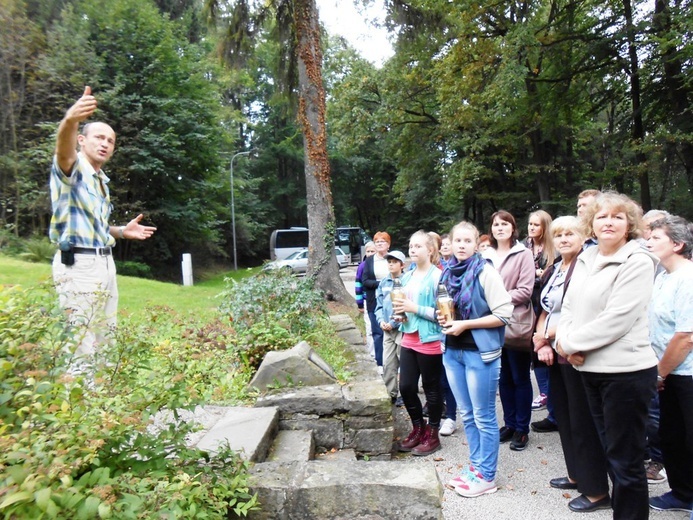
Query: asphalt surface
(522,478)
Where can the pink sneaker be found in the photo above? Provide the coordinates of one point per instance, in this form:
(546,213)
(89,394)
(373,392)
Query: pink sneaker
(539,402)
(475,485)
(462,477)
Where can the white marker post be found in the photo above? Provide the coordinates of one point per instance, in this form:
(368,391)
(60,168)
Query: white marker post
(187,269)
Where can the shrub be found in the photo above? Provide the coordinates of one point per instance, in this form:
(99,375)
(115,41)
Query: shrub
(271,311)
(131,268)
(38,250)
(273,298)
(86,448)
(9,243)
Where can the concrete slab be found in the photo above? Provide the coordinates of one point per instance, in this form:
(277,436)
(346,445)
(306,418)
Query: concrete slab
(360,490)
(292,445)
(367,397)
(319,400)
(300,366)
(347,455)
(342,322)
(344,489)
(248,431)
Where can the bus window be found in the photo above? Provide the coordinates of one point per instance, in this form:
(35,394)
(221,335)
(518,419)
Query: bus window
(351,240)
(283,242)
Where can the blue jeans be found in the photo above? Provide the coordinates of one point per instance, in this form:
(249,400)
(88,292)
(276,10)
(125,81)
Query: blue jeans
(516,389)
(448,397)
(474,384)
(377,333)
(541,372)
(654,445)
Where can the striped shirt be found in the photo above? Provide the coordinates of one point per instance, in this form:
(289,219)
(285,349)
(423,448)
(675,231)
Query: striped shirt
(81,205)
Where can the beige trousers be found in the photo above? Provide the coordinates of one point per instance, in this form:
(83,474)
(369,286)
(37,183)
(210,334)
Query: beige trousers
(89,294)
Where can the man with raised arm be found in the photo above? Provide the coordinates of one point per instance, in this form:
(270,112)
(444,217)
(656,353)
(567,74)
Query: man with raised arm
(83,268)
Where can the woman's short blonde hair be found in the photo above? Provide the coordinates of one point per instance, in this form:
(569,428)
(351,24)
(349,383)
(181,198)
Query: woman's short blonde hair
(567,223)
(619,202)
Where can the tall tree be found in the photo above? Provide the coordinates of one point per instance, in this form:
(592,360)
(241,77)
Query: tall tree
(20,42)
(311,115)
(161,96)
(300,18)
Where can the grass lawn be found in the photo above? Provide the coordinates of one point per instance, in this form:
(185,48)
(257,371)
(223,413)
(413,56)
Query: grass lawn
(135,294)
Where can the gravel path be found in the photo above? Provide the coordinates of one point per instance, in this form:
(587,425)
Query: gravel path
(523,479)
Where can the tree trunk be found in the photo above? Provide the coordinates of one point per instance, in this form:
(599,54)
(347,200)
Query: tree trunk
(322,264)
(638,127)
(677,90)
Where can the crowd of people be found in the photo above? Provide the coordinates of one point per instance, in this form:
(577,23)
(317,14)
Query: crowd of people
(598,305)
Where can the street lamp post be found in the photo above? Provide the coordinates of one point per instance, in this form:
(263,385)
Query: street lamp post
(233,212)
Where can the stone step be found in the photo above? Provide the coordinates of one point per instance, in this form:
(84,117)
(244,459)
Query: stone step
(337,456)
(346,489)
(292,445)
(248,431)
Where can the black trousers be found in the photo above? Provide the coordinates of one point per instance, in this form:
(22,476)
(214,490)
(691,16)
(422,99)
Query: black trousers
(582,449)
(413,365)
(619,404)
(676,434)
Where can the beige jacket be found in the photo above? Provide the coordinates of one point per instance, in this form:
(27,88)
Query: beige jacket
(604,313)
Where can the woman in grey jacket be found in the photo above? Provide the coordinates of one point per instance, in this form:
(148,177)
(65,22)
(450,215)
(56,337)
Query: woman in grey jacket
(603,333)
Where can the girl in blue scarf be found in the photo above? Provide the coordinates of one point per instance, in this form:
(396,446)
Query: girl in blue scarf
(473,342)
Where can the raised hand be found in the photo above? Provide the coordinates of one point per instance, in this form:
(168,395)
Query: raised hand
(136,231)
(83,108)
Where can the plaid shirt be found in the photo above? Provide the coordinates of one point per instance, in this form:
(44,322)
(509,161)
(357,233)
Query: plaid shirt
(80,208)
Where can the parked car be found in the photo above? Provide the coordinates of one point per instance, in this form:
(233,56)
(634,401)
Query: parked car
(343,258)
(297,262)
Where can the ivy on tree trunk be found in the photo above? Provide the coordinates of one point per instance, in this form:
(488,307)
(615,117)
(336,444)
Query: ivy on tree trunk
(322,264)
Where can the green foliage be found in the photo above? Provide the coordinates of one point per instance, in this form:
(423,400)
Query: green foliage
(76,447)
(271,311)
(131,268)
(10,244)
(273,297)
(38,250)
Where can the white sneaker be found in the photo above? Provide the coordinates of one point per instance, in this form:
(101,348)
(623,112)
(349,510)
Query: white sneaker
(475,485)
(380,370)
(448,427)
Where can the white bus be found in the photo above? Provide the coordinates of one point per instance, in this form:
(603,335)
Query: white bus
(283,242)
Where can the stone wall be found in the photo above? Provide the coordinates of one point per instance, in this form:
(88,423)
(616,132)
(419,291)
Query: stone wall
(356,416)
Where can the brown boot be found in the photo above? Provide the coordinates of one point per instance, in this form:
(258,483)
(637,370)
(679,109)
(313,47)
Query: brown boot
(430,443)
(413,438)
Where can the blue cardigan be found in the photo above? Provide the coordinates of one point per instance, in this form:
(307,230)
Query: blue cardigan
(428,330)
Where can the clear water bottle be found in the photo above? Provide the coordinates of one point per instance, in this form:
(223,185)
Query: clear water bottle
(397,293)
(445,305)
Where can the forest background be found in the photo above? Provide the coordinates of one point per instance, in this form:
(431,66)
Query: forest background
(484,105)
